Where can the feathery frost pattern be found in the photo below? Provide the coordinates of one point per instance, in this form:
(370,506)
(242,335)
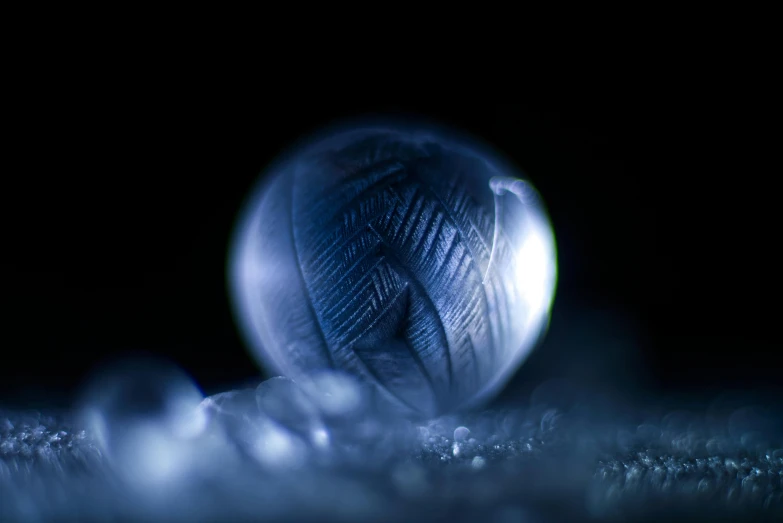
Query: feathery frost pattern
(389,255)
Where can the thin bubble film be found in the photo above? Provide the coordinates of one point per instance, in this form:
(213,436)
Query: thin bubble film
(281,452)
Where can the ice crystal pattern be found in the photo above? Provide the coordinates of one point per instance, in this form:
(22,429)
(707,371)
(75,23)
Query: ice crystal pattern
(410,260)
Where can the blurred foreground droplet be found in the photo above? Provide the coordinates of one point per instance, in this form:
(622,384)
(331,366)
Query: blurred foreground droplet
(255,460)
(266,424)
(143,412)
(284,401)
(334,393)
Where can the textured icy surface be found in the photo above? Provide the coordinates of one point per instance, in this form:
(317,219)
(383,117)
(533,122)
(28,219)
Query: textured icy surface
(404,254)
(315,452)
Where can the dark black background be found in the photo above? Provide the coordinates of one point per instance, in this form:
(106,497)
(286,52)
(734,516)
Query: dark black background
(119,194)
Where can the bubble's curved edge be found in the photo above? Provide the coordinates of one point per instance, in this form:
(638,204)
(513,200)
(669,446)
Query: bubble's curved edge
(416,126)
(235,294)
(533,338)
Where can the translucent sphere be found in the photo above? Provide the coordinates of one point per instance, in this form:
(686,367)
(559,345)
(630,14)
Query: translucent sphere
(410,257)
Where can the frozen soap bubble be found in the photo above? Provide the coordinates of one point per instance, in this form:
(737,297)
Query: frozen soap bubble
(409,257)
(144,415)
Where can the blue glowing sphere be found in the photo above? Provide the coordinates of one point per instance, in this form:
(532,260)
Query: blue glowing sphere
(411,257)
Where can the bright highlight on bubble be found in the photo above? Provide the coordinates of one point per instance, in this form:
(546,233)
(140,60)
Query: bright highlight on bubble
(535,268)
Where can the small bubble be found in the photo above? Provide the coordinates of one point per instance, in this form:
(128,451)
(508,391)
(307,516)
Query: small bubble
(461,433)
(478,463)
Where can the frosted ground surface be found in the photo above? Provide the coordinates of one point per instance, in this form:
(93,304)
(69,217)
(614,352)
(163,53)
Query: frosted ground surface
(317,452)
